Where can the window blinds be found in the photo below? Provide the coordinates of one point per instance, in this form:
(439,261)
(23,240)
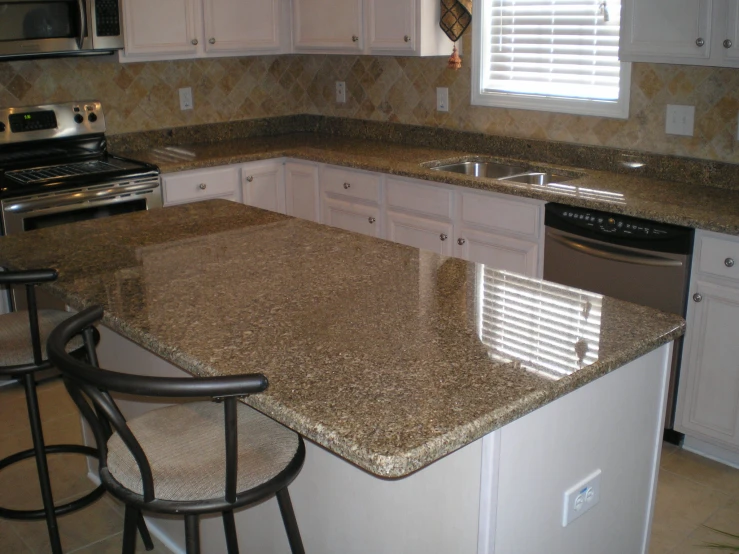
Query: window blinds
(562,48)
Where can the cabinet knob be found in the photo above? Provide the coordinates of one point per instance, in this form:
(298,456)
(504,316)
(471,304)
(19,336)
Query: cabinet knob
(699,42)
(443,236)
(371,219)
(355,38)
(728,43)
(212,40)
(249,179)
(194,42)
(729,262)
(202,186)
(460,242)
(407,38)
(347,186)
(697,297)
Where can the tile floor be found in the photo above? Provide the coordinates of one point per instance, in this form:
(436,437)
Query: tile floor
(693,492)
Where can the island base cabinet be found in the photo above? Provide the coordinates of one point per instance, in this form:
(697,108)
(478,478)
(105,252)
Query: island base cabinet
(501,494)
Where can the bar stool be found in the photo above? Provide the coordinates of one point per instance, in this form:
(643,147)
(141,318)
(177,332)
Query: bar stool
(176,460)
(21,358)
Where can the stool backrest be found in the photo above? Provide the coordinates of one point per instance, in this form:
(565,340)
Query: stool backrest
(87,381)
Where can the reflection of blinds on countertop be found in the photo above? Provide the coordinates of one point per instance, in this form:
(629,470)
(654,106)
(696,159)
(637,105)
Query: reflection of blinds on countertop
(565,48)
(552,329)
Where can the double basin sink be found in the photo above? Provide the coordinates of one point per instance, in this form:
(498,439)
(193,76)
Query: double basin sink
(503,172)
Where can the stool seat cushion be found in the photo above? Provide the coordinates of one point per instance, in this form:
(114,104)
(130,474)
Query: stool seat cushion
(186,448)
(15,335)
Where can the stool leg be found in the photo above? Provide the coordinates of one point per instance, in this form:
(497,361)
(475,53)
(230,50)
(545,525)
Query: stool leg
(41,464)
(144,532)
(192,534)
(130,520)
(291,524)
(229,525)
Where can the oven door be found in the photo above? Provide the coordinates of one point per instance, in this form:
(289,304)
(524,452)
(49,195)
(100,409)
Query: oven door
(29,27)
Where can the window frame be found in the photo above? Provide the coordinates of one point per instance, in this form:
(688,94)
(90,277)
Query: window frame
(575,106)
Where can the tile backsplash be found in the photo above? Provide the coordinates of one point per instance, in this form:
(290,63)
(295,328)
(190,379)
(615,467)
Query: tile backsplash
(143,96)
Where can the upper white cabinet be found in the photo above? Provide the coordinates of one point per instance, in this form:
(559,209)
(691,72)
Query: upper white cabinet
(327,25)
(695,32)
(176,29)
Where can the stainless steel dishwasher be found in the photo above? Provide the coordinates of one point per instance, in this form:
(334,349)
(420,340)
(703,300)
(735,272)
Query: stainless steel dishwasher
(627,258)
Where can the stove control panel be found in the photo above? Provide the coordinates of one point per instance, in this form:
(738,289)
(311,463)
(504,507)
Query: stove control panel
(613,224)
(50,121)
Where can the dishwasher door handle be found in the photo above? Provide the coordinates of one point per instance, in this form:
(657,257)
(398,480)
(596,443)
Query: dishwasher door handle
(626,257)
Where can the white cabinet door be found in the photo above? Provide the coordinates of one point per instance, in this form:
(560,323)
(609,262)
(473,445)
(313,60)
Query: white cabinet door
(328,25)
(302,198)
(392,26)
(420,232)
(352,216)
(161,27)
(262,185)
(201,184)
(710,370)
(677,31)
(241,25)
(726,33)
(497,251)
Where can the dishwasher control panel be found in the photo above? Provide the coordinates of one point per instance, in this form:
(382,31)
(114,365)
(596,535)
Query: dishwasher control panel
(612,224)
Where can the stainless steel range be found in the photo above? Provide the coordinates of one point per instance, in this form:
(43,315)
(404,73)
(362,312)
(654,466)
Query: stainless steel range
(55,169)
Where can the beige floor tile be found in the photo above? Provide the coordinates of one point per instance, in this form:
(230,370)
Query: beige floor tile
(699,541)
(704,471)
(112,545)
(668,450)
(10,542)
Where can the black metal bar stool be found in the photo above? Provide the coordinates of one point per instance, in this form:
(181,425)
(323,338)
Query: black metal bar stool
(176,459)
(21,358)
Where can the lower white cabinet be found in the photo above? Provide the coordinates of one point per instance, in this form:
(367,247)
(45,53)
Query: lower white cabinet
(262,185)
(302,197)
(201,184)
(351,216)
(497,251)
(420,232)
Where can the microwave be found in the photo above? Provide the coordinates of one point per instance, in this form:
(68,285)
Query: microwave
(47,28)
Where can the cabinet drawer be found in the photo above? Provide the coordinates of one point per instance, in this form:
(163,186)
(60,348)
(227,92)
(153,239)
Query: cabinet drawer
(419,197)
(192,186)
(354,184)
(719,257)
(495,212)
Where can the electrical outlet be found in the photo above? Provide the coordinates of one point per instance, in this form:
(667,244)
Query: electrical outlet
(442,99)
(581,498)
(340,92)
(186,99)
(680,120)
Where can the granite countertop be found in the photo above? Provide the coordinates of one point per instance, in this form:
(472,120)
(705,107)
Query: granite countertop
(697,206)
(386,355)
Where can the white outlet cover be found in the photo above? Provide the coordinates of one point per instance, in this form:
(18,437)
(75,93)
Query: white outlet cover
(341,92)
(186,99)
(581,498)
(680,120)
(442,99)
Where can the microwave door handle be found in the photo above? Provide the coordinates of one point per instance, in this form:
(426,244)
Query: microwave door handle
(83,23)
(616,256)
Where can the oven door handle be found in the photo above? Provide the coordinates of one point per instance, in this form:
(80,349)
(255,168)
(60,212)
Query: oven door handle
(83,23)
(25,206)
(630,258)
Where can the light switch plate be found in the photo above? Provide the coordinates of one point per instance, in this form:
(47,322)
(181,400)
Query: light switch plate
(186,99)
(442,99)
(680,120)
(581,498)
(341,92)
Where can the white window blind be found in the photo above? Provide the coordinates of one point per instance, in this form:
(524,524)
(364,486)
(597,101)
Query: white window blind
(563,48)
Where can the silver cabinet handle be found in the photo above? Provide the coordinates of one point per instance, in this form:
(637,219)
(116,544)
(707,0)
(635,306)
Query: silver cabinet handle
(460,242)
(728,43)
(371,220)
(355,38)
(697,297)
(212,40)
(347,186)
(699,42)
(443,236)
(407,38)
(194,42)
(202,186)
(249,179)
(729,262)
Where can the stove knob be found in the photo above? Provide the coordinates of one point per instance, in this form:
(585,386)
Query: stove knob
(79,119)
(92,118)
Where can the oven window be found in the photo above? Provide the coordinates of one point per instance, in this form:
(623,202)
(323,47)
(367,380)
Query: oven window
(43,221)
(38,20)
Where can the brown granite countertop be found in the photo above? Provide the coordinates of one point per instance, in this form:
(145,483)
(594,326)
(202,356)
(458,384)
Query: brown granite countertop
(374,350)
(700,207)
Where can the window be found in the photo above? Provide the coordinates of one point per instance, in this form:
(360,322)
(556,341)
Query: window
(550,55)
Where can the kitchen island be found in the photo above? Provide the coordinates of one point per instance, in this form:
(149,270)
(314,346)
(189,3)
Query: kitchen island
(447,406)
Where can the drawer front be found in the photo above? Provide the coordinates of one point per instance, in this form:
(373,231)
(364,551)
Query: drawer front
(419,197)
(719,257)
(353,184)
(192,186)
(508,216)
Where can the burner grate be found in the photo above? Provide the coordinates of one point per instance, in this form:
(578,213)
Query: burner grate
(28,176)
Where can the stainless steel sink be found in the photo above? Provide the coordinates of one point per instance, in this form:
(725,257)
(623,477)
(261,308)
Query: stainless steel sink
(491,170)
(537,178)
